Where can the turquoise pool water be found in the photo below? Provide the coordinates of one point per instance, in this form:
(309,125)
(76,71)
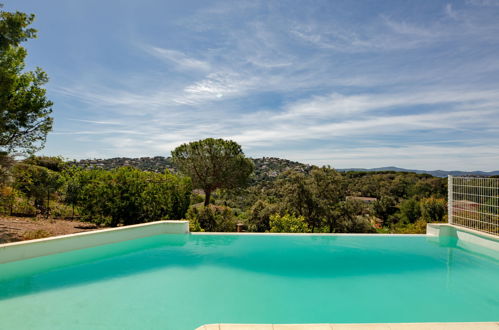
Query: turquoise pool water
(183,281)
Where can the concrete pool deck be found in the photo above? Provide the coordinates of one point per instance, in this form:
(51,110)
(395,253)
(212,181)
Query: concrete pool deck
(359,326)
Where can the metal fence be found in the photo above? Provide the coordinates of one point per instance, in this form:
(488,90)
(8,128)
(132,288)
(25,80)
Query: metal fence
(474,203)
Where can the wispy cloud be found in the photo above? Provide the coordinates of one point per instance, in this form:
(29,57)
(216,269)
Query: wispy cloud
(97,122)
(179,58)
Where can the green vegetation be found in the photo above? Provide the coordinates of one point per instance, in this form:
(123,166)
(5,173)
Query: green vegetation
(124,196)
(287,224)
(299,199)
(330,201)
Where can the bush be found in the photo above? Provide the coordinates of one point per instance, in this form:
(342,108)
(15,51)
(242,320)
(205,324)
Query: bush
(288,224)
(35,234)
(357,224)
(418,227)
(59,210)
(212,218)
(410,210)
(433,209)
(259,216)
(128,196)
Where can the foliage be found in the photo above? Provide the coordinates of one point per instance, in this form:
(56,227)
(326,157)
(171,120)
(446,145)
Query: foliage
(213,164)
(314,196)
(418,227)
(410,211)
(211,218)
(56,164)
(384,207)
(259,216)
(36,234)
(128,196)
(433,209)
(352,217)
(287,224)
(25,110)
(317,197)
(37,183)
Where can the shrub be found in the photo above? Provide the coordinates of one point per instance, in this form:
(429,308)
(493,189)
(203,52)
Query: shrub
(287,224)
(128,196)
(35,234)
(211,218)
(418,227)
(259,216)
(410,210)
(433,209)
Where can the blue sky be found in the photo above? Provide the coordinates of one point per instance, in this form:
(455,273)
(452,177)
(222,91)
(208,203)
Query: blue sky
(346,83)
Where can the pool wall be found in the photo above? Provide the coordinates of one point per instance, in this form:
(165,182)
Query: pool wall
(46,246)
(465,236)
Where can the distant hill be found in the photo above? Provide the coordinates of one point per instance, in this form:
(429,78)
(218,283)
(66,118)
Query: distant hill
(437,173)
(152,164)
(266,168)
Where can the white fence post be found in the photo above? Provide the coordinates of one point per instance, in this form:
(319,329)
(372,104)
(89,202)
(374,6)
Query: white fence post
(449,199)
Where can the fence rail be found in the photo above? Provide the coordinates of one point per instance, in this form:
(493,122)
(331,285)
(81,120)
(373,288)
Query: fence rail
(474,203)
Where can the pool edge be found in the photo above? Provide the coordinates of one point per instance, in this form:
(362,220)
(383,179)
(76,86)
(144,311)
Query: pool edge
(357,326)
(51,245)
(465,236)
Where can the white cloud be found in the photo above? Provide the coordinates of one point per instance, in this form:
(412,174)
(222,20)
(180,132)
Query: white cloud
(179,58)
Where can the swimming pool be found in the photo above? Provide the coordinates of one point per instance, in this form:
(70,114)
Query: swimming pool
(187,280)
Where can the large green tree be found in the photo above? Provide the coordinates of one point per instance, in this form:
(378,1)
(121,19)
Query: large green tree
(213,164)
(24,108)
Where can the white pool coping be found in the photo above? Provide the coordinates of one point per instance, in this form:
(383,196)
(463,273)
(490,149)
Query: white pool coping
(308,234)
(358,326)
(51,245)
(465,236)
(57,244)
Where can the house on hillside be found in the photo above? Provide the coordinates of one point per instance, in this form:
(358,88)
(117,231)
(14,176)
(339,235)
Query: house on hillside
(367,200)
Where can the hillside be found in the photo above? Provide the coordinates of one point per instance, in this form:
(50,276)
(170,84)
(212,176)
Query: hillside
(437,173)
(265,168)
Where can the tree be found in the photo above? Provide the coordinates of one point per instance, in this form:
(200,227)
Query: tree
(37,182)
(313,196)
(410,211)
(259,216)
(353,217)
(213,164)
(328,187)
(24,108)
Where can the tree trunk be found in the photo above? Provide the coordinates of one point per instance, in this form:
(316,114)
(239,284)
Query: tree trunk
(48,203)
(207,196)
